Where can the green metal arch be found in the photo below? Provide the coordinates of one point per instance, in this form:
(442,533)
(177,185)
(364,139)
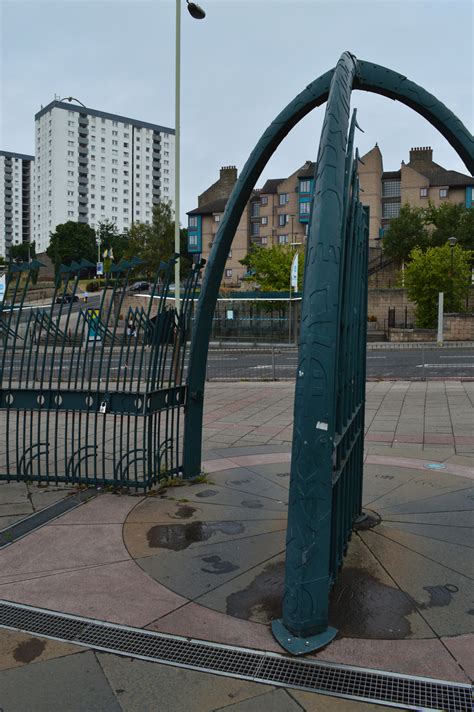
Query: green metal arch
(366,76)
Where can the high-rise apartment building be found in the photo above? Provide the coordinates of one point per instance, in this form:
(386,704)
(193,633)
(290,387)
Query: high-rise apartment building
(16,171)
(92,166)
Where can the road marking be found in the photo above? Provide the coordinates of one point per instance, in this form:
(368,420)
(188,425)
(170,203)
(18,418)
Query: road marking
(369,357)
(467,356)
(445,365)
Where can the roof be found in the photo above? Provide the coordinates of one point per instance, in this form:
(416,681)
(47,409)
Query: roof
(102,115)
(23,156)
(271,186)
(308,170)
(217,206)
(450,178)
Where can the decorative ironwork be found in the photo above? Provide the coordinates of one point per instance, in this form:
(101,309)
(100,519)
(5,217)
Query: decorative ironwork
(92,393)
(326,468)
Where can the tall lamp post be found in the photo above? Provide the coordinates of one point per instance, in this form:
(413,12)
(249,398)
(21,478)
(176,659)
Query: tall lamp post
(452,243)
(198,14)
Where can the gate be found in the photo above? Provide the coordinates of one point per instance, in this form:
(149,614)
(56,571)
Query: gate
(92,394)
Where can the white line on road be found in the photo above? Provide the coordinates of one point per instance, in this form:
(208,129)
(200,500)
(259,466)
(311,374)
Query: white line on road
(445,365)
(466,356)
(369,357)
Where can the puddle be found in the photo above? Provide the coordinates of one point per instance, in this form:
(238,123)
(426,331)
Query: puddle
(261,600)
(29,650)
(184,511)
(207,493)
(179,536)
(218,566)
(252,504)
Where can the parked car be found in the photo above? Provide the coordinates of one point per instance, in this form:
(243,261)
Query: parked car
(140,287)
(66,298)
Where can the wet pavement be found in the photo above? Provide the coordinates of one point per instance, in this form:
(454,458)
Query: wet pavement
(207,561)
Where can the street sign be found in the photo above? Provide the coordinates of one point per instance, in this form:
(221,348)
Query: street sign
(100,268)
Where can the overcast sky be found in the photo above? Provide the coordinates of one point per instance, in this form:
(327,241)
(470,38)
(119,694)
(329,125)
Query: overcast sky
(240,67)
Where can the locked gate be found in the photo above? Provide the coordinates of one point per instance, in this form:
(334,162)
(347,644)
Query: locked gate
(92,393)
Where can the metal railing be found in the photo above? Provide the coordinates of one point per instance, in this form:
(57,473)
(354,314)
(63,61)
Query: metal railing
(92,395)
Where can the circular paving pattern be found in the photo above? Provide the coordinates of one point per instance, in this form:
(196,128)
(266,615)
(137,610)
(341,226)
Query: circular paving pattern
(408,574)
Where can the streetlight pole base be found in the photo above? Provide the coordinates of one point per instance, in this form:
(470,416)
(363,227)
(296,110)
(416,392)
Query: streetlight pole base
(301,646)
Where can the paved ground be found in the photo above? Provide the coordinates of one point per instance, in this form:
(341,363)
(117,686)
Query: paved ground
(206,561)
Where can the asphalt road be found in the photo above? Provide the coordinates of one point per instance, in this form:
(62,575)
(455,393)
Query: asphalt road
(252,363)
(381,363)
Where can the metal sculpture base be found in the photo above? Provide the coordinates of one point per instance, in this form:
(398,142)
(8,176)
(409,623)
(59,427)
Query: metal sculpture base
(301,646)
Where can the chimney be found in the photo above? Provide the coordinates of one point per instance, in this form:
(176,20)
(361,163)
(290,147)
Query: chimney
(422,154)
(228,174)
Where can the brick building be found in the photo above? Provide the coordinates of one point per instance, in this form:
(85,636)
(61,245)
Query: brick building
(278,213)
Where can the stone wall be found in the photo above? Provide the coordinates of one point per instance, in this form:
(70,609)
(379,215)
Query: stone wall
(459,327)
(381,299)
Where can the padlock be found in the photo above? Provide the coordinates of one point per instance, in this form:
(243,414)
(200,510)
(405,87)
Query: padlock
(103,407)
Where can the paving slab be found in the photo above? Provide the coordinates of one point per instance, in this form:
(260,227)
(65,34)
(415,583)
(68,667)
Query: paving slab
(274,700)
(75,683)
(143,686)
(18,649)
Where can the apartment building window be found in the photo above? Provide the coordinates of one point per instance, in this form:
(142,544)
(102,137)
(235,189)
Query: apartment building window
(282,198)
(228,273)
(255,209)
(264,240)
(255,229)
(193,221)
(390,210)
(391,188)
(264,220)
(443,192)
(282,220)
(305,186)
(70,213)
(305,208)
(217,218)
(423,192)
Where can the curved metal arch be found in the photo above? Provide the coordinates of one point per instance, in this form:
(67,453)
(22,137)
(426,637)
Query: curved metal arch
(366,77)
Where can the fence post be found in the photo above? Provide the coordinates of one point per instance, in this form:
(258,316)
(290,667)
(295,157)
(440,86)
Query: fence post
(440,318)
(273,364)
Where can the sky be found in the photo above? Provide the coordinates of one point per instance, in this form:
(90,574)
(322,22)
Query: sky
(240,67)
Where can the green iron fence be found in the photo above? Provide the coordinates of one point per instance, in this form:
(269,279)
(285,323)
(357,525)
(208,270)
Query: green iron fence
(92,393)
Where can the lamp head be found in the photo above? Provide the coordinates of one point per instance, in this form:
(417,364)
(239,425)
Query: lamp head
(452,241)
(196,11)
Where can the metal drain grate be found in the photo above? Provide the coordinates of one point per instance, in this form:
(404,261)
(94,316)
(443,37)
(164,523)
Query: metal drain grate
(343,681)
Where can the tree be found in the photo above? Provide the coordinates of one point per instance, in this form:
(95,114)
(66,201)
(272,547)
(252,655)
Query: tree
(72,241)
(429,272)
(155,243)
(23,252)
(406,232)
(270,267)
(451,220)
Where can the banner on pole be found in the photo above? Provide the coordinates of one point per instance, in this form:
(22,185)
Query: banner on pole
(294,271)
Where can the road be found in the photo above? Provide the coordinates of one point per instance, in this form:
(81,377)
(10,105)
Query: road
(381,363)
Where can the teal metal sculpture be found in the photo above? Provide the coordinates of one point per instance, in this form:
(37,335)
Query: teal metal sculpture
(326,466)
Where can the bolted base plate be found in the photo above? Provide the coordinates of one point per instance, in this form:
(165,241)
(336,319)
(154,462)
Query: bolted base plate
(301,646)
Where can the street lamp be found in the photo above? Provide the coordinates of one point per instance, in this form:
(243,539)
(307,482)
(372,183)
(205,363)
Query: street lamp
(198,13)
(452,243)
(72,98)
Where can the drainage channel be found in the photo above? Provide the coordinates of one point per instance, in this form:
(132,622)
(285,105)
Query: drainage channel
(361,684)
(38,519)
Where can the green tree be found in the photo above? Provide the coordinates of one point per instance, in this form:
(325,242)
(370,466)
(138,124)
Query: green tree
(429,272)
(155,243)
(72,241)
(23,252)
(270,267)
(406,232)
(451,220)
